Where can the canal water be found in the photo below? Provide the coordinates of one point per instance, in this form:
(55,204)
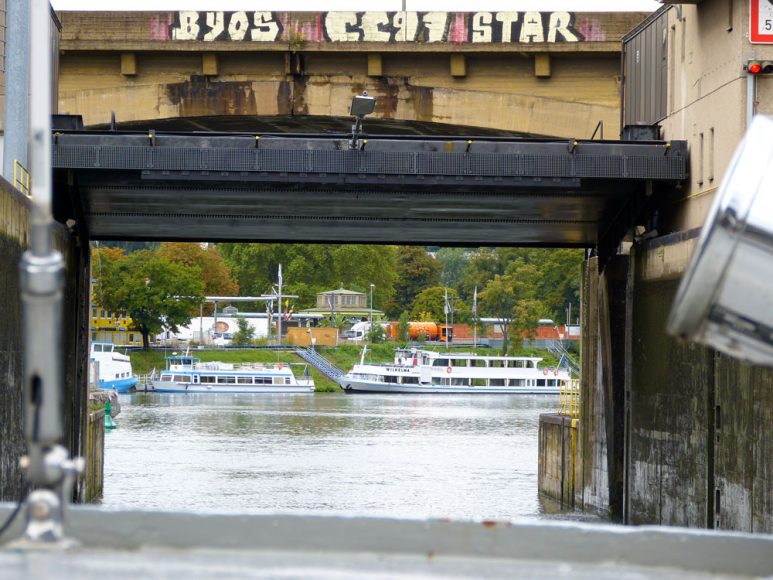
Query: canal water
(371,455)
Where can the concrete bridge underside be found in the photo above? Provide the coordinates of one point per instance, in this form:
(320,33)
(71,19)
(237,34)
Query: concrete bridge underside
(546,73)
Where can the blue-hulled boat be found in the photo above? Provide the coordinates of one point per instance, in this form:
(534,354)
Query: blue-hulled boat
(114,368)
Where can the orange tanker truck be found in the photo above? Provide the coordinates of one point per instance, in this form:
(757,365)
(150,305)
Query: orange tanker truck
(425,330)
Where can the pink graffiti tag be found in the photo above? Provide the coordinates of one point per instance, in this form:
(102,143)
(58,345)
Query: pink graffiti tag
(160,25)
(457,33)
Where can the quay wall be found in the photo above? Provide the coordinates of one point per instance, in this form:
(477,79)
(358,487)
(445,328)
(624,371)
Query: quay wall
(94,453)
(689,430)
(558,467)
(14,239)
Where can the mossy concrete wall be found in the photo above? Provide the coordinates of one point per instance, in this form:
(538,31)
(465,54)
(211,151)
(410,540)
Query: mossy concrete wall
(557,472)
(14,239)
(689,431)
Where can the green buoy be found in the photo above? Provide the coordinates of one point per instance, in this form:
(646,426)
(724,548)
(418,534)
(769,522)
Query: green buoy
(109,423)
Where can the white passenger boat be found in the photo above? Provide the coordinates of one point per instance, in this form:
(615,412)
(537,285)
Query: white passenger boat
(114,369)
(422,371)
(187,374)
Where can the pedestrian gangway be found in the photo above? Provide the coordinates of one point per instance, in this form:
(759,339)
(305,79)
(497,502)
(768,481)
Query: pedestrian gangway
(556,347)
(320,363)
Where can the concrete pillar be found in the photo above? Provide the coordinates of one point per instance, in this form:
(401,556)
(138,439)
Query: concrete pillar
(17,82)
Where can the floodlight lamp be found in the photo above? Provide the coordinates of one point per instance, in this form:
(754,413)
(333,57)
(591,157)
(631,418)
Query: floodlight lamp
(362,105)
(725,299)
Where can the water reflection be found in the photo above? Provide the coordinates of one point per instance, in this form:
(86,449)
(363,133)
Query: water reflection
(403,456)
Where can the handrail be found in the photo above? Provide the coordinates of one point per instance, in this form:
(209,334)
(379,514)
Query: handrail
(319,362)
(21,178)
(569,399)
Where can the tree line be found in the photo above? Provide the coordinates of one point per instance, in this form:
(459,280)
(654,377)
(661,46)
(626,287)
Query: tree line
(164,285)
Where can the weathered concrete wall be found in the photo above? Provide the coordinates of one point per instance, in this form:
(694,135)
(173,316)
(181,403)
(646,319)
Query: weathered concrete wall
(593,484)
(94,454)
(556,476)
(699,424)
(670,395)
(14,238)
(743,448)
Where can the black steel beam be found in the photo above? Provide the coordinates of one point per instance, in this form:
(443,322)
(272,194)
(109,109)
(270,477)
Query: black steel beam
(391,190)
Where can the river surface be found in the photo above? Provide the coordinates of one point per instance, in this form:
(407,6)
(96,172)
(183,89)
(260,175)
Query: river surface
(417,456)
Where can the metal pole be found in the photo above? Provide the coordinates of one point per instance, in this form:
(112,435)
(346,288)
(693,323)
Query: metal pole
(445,309)
(47,466)
(214,321)
(279,308)
(451,304)
(751,86)
(17,85)
(371,308)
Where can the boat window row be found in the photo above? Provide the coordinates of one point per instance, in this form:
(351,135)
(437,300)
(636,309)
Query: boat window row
(483,363)
(226,380)
(466,382)
(122,375)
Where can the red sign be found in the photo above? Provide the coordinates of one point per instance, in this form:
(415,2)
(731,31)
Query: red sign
(761,30)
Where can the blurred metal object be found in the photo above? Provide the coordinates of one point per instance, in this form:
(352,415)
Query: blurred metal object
(725,299)
(47,466)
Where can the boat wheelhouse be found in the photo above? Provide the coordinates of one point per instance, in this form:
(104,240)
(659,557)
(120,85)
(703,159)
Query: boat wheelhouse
(114,370)
(422,371)
(188,374)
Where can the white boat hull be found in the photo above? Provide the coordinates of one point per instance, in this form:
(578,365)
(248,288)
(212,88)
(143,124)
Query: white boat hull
(171,387)
(359,386)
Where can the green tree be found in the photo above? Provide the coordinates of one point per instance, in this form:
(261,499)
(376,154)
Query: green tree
(312,268)
(245,334)
(455,262)
(154,291)
(403,325)
(432,301)
(214,271)
(416,270)
(376,334)
(511,300)
(560,272)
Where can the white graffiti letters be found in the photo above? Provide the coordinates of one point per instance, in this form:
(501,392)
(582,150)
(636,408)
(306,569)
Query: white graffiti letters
(560,23)
(342,27)
(216,25)
(211,26)
(507,19)
(379,27)
(188,29)
(481,27)
(266,29)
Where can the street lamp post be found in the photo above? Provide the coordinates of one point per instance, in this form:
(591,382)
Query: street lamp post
(371,307)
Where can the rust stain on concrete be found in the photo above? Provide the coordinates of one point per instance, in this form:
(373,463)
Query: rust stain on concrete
(422,99)
(284,98)
(299,104)
(200,96)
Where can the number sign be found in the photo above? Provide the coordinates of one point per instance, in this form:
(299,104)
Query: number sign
(761,30)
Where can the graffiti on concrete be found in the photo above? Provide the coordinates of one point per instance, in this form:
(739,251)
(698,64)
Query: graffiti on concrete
(423,27)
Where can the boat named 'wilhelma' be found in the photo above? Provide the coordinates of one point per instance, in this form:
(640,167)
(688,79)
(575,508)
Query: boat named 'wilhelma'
(422,371)
(115,369)
(187,374)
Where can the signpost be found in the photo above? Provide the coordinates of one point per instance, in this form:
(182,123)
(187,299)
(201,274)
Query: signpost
(761,29)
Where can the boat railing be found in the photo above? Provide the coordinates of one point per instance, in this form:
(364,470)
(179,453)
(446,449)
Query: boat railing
(145,382)
(569,399)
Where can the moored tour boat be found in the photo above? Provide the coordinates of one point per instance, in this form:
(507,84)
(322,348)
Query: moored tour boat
(187,374)
(114,369)
(422,371)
